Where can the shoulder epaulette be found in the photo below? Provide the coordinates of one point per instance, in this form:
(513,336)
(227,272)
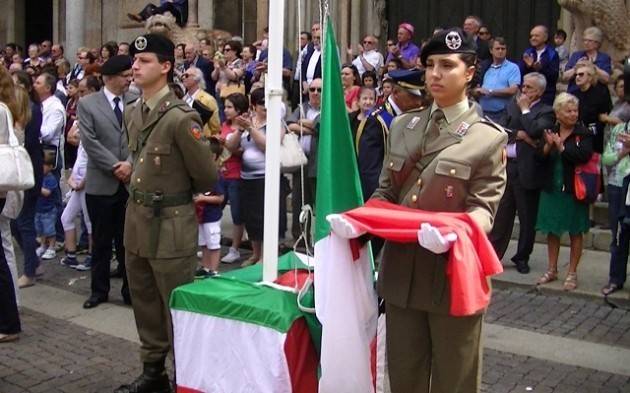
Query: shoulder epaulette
(491,123)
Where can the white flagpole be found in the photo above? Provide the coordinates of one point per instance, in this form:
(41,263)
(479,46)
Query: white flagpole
(274,93)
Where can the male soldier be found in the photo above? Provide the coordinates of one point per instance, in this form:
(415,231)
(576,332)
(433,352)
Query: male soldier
(171,162)
(442,159)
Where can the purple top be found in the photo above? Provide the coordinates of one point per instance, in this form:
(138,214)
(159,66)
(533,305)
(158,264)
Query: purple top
(409,53)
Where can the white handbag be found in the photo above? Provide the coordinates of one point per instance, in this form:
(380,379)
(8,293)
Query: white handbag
(16,168)
(292,156)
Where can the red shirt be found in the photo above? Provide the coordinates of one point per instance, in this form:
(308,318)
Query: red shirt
(231,169)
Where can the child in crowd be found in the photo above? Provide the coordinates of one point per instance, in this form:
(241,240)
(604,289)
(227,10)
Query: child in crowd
(46,214)
(559,38)
(209,208)
(368,79)
(76,204)
(386,89)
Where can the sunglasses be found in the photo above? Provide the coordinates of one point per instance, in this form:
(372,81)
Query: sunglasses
(368,42)
(227,49)
(484,33)
(315,89)
(581,74)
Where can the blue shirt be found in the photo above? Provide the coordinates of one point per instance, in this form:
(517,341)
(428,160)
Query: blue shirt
(213,212)
(287,61)
(602,61)
(501,76)
(47,204)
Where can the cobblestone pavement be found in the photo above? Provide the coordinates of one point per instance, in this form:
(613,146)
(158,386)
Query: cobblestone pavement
(54,355)
(561,315)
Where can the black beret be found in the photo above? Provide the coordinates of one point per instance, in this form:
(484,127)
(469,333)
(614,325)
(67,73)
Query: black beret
(447,41)
(115,65)
(410,80)
(153,43)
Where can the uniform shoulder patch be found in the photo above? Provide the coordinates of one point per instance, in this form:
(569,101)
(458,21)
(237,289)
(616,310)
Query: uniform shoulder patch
(195,131)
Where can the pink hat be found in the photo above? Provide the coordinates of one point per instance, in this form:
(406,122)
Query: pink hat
(408,27)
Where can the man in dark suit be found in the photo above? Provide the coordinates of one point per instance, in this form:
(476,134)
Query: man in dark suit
(527,119)
(312,63)
(471,26)
(105,142)
(193,59)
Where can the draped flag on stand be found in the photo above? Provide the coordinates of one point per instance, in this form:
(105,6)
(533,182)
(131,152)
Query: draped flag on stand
(345,299)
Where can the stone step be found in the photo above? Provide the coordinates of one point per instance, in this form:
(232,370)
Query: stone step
(597,239)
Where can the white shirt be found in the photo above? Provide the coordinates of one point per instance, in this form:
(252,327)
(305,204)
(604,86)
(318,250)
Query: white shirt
(298,64)
(312,64)
(53,121)
(373,57)
(110,97)
(190,99)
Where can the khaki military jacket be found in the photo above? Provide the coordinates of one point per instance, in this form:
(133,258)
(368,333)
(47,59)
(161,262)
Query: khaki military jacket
(170,156)
(467,174)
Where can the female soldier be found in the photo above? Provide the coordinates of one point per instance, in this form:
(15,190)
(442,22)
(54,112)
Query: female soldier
(442,159)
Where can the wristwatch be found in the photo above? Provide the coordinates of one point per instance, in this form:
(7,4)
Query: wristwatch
(490,92)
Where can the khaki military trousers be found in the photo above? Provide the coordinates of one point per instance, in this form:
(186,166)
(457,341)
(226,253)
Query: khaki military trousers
(429,352)
(151,282)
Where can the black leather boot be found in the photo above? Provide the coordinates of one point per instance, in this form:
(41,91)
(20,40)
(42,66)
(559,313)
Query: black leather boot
(153,379)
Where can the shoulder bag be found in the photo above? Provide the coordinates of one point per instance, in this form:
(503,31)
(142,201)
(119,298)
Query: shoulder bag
(586,179)
(16,168)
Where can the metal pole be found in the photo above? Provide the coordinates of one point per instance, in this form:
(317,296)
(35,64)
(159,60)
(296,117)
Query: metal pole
(272,150)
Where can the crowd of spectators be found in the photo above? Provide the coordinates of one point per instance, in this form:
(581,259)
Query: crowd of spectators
(550,133)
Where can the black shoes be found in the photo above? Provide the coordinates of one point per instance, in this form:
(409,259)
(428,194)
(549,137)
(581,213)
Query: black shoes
(522,266)
(152,380)
(93,301)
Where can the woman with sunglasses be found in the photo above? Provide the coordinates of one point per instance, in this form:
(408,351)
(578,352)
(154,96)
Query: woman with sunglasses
(228,69)
(595,102)
(592,39)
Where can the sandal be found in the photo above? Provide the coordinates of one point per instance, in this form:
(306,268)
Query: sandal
(251,261)
(570,283)
(549,276)
(610,288)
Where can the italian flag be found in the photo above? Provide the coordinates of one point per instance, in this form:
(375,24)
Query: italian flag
(233,335)
(345,299)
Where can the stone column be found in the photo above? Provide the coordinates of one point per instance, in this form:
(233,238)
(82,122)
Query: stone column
(193,14)
(262,13)
(75,27)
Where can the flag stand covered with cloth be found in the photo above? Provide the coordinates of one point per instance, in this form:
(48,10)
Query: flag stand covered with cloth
(345,299)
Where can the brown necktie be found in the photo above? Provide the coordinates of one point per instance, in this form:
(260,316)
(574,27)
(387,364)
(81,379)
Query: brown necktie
(145,112)
(433,129)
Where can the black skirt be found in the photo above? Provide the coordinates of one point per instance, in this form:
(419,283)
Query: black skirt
(252,195)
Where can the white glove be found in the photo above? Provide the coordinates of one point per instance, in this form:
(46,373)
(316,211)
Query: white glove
(343,227)
(431,239)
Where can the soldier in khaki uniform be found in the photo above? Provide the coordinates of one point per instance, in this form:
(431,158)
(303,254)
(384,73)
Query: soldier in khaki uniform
(171,162)
(444,159)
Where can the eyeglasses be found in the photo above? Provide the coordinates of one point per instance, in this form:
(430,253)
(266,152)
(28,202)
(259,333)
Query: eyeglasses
(581,74)
(484,33)
(227,49)
(368,42)
(315,89)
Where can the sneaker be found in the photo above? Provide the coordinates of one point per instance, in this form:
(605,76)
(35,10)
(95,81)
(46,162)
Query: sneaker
(59,246)
(232,256)
(49,254)
(40,251)
(70,262)
(81,249)
(202,273)
(213,273)
(86,265)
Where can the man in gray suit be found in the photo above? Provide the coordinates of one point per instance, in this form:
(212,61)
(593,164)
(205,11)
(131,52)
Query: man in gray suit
(105,142)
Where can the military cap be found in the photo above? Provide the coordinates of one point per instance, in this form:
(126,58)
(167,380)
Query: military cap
(410,80)
(447,41)
(153,43)
(115,65)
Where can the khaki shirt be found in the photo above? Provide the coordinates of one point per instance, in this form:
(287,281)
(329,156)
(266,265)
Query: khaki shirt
(170,156)
(466,174)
